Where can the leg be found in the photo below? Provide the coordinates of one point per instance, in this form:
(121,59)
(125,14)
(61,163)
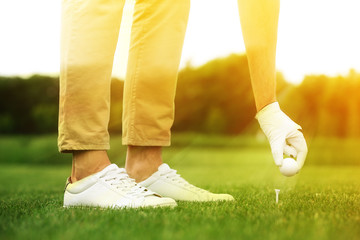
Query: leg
(142,161)
(88,162)
(156,43)
(157,37)
(89,35)
(155,50)
(90,31)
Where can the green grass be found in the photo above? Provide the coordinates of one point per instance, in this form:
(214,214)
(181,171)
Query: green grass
(43,149)
(322,202)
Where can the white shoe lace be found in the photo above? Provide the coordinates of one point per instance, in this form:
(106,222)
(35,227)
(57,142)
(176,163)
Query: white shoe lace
(173,176)
(121,180)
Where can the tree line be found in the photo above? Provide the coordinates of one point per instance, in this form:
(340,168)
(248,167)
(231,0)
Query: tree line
(213,98)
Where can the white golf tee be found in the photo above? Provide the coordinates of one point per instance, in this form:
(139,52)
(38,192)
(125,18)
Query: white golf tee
(277,195)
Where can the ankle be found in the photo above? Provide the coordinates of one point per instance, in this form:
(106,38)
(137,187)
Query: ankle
(140,173)
(86,163)
(142,162)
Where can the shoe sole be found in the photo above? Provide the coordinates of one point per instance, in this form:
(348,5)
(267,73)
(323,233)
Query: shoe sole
(170,205)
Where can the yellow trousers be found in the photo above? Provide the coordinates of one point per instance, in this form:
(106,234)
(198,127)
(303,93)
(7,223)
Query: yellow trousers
(90,31)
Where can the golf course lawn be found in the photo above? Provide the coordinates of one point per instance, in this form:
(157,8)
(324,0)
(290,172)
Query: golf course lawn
(321,202)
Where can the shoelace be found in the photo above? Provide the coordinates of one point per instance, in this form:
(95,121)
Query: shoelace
(121,180)
(175,177)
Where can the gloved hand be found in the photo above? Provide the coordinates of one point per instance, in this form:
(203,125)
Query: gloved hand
(283,134)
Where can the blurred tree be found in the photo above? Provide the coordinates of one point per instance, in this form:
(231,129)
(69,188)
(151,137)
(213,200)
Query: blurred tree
(217,97)
(21,101)
(214,98)
(326,106)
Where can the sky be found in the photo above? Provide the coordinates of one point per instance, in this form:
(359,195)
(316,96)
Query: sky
(314,36)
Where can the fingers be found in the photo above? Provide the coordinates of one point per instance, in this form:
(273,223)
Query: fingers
(290,151)
(278,157)
(297,141)
(301,159)
(277,149)
(280,149)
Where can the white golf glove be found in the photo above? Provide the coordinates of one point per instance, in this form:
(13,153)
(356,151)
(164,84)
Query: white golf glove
(283,134)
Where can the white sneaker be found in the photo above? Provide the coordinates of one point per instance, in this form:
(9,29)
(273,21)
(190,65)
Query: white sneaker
(112,188)
(168,183)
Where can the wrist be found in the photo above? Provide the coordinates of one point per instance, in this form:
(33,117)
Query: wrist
(268,109)
(263,102)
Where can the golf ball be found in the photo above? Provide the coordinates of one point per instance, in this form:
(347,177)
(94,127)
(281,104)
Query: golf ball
(289,167)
